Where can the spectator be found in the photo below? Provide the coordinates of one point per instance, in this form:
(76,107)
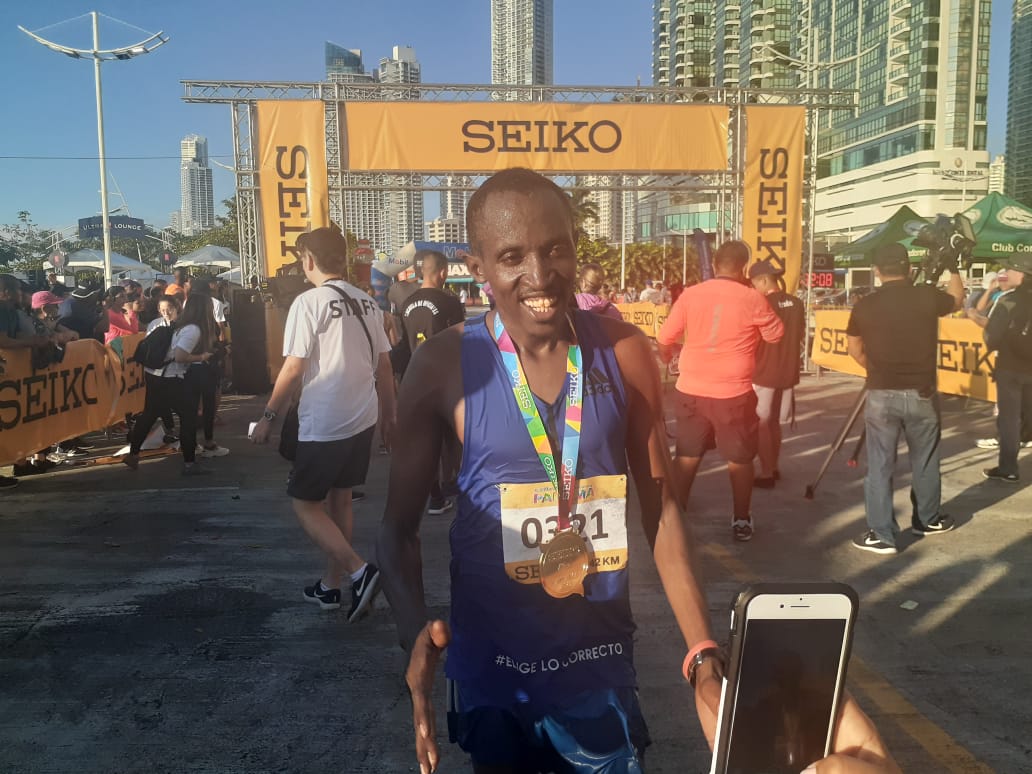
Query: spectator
(121,314)
(86,317)
(650,294)
(721,322)
(204,377)
(178,288)
(592,280)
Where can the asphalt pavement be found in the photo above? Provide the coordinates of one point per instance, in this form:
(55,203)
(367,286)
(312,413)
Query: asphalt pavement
(154,623)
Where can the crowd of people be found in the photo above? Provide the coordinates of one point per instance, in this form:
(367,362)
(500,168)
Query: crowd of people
(46,320)
(527,421)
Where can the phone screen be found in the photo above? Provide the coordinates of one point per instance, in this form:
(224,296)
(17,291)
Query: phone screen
(786,688)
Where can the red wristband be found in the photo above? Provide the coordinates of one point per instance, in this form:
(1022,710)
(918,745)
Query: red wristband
(704,645)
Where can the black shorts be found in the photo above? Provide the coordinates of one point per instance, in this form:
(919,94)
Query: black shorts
(727,424)
(324,465)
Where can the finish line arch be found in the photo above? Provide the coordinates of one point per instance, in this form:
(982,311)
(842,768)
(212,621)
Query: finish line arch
(691,141)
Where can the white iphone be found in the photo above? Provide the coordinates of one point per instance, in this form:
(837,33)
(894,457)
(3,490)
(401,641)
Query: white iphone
(785,674)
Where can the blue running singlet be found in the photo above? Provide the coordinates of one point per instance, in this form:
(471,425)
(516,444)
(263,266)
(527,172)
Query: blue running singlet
(511,641)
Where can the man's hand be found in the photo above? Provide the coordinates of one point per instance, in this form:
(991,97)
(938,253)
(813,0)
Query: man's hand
(857,749)
(388,429)
(262,430)
(426,652)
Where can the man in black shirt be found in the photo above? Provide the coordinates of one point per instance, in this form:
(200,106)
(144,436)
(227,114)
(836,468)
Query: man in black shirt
(427,312)
(1009,333)
(777,370)
(893,333)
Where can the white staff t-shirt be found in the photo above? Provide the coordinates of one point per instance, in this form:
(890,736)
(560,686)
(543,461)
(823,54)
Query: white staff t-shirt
(338,398)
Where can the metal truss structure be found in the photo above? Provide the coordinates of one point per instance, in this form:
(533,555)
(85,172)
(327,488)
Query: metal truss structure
(724,188)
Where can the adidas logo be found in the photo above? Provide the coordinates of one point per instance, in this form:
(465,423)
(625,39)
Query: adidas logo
(598,383)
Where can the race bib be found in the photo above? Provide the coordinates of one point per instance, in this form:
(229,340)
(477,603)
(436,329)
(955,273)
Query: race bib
(530,518)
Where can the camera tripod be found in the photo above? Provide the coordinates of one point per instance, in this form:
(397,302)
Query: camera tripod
(840,441)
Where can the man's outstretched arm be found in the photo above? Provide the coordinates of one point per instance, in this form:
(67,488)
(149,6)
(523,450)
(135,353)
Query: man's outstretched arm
(665,525)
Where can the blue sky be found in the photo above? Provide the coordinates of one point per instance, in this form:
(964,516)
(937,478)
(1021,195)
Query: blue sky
(51,98)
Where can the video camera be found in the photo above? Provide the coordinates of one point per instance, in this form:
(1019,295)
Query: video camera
(949,242)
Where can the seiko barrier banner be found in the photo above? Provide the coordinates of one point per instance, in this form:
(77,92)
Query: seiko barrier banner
(548,136)
(772,221)
(91,388)
(292,166)
(964,366)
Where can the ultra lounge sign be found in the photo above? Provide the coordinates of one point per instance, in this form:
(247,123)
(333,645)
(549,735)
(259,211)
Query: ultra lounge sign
(552,136)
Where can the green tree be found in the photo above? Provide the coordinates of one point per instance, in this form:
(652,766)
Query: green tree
(584,209)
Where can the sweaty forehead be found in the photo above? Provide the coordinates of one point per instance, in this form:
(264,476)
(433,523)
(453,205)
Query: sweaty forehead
(506,213)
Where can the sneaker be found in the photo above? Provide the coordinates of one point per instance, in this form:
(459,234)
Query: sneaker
(70,451)
(193,469)
(169,438)
(327,600)
(988,443)
(363,591)
(943,523)
(212,451)
(82,445)
(357,495)
(438,507)
(742,530)
(764,482)
(56,457)
(1025,444)
(869,541)
(131,461)
(8,482)
(995,474)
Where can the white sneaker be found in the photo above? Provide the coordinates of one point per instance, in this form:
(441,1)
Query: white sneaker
(216,451)
(988,443)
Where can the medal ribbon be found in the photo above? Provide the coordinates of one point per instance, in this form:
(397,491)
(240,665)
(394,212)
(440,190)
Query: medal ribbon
(570,452)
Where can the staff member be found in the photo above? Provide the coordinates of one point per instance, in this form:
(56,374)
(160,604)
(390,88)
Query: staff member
(893,333)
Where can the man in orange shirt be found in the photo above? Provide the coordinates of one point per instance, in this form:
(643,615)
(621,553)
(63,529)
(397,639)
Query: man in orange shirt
(178,287)
(718,325)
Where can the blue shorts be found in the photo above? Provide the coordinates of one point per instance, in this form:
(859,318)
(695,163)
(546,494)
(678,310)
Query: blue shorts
(596,731)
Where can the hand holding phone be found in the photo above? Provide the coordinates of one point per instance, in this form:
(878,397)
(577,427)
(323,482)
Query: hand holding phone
(789,649)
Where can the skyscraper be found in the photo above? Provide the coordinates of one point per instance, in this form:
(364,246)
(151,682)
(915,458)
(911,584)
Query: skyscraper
(454,201)
(197,205)
(403,209)
(682,42)
(921,68)
(521,42)
(997,174)
(1018,183)
(344,65)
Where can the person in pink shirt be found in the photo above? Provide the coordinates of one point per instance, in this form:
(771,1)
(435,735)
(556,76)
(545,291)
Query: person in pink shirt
(718,325)
(121,312)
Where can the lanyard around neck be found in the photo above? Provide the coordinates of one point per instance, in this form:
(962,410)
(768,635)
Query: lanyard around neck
(570,451)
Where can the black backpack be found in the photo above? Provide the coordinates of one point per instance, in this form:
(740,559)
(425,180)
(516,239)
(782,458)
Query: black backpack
(152,352)
(1019,330)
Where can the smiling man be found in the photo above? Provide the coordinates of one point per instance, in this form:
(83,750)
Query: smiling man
(540,637)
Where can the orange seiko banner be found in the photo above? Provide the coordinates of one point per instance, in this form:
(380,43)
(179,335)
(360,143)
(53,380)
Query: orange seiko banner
(91,388)
(772,221)
(292,166)
(552,136)
(963,365)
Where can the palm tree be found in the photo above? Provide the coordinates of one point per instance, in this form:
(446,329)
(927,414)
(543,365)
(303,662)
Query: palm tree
(584,209)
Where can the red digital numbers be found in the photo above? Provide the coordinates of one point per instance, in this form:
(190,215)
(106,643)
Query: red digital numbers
(822,279)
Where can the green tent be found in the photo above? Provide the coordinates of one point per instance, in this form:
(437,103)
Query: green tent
(1002,226)
(901,227)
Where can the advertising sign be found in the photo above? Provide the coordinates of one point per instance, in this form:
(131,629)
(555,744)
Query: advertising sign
(292,163)
(552,136)
(772,224)
(121,226)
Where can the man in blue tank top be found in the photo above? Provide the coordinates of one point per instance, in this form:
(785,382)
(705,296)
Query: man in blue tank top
(553,407)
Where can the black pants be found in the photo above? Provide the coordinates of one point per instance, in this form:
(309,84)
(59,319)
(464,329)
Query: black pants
(202,381)
(1014,400)
(164,395)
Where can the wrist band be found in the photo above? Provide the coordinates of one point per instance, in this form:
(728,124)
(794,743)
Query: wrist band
(704,645)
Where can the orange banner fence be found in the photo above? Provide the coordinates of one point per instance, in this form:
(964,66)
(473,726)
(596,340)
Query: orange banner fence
(93,387)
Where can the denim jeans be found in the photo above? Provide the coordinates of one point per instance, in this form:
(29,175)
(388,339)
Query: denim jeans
(889,413)
(1014,399)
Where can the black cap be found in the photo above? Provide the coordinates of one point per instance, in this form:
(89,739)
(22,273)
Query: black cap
(892,258)
(1018,262)
(764,268)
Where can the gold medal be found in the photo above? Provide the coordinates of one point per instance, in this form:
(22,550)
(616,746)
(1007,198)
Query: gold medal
(565,561)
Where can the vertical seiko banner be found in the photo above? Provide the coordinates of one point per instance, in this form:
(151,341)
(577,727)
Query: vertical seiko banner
(772,221)
(292,166)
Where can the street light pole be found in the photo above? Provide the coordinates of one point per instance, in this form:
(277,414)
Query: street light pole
(105,218)
(99,55)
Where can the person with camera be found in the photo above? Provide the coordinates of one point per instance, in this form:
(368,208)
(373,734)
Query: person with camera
(893,333)
(1009,333)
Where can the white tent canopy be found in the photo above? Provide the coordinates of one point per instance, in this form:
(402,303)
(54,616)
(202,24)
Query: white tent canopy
(233,275)
(210,255)
(122,267)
